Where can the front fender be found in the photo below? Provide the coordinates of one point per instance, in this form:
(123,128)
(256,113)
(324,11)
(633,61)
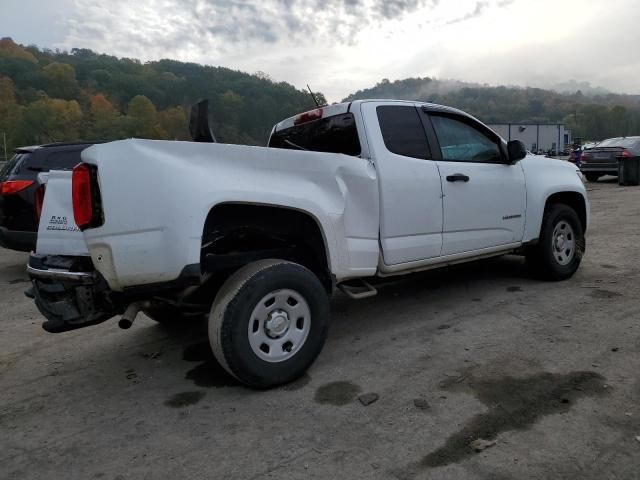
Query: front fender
(544,178)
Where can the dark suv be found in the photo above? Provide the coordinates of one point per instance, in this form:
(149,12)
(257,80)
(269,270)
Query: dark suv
(21,193)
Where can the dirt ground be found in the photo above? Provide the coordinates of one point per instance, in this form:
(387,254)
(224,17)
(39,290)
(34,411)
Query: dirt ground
(547,371)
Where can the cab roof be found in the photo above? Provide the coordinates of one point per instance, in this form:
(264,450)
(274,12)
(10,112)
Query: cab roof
(345,107)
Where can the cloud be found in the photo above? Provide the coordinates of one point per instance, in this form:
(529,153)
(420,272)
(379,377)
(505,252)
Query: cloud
(340,46)
(391,9)
(477,12)
(156,25)
(147,28)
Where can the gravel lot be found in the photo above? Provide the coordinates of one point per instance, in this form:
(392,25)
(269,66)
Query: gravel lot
(547,371)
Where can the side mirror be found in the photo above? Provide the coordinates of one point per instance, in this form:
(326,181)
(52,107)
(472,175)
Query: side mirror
(517,151)
(199,123)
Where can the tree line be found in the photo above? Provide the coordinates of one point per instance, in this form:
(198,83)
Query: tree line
(52,96)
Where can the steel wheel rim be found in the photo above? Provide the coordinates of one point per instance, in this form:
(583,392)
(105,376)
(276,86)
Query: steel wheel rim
(279,325)
(563,243)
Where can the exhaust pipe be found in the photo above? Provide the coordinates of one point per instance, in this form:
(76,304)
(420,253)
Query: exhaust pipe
(131,313)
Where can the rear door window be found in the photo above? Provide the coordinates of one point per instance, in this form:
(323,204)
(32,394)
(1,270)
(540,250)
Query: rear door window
(402,131)
(334,134)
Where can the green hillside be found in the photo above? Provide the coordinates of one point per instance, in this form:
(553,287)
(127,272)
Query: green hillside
(48,96)
(593,117)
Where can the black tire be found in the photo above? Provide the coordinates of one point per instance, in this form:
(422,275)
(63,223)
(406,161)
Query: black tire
(542,258)
(592,177)
(231,315)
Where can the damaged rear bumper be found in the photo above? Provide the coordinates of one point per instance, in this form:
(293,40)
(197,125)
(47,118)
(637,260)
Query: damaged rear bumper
(82,278)
(69,292)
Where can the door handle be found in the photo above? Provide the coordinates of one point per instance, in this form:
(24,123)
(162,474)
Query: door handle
(457,177)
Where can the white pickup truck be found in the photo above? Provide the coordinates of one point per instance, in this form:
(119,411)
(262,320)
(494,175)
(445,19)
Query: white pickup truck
(259,237)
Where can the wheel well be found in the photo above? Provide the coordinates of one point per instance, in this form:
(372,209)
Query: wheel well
(237,234)
(572,199)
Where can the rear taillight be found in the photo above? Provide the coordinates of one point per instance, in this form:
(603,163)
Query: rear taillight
(626,154)
(85,195)
(11,187)
(39,201)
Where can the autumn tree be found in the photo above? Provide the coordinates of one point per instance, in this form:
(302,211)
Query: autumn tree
(105,121)
(60,80)
(142,118)
(10,113)
(230,105)
(51,120)
(10,49)
(174,122)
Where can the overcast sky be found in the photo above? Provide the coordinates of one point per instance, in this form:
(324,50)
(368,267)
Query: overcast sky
(340,46)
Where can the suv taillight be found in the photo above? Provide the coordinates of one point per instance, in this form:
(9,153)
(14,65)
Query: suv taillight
(39,201)
(11,187)
(626,154)
(85,195)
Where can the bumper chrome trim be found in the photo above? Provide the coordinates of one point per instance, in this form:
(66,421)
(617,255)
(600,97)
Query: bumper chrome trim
(62,275)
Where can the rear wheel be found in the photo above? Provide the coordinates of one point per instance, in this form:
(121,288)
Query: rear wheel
(561,244)
(269,322)
(592,177)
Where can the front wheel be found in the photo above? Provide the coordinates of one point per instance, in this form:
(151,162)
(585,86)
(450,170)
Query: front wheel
(269,322)
(561,244)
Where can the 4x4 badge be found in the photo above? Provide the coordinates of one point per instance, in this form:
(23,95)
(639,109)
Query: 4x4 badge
(58,220)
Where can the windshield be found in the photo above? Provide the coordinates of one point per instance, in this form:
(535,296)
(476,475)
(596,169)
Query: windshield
(335,134)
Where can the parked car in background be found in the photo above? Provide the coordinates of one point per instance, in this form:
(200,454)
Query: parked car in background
(603,158)
(21,193)
(575,155)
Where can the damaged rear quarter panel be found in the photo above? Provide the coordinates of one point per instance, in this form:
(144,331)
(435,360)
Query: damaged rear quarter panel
(157,195)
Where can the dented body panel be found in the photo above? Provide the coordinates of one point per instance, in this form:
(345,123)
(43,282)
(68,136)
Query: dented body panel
(153,229)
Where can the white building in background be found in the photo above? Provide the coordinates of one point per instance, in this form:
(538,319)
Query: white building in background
(536,136)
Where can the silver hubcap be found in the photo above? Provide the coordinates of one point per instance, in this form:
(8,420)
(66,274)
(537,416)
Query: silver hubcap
(279,325)
(563,243)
